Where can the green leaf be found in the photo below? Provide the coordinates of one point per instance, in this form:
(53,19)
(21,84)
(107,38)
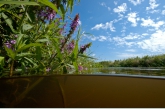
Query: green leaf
(38,53)
(82,55)
(50,4)
(19,2)
(28,46)
(2,62)
(59,55)
(74,56)
(31,61)
(42,40)
(27,27)
(63,10)
(9,22)
(10,53)
(1,5)
(19,40)
(24,55)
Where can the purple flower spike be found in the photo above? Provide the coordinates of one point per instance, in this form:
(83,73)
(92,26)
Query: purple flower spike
(75,22)
(70,46)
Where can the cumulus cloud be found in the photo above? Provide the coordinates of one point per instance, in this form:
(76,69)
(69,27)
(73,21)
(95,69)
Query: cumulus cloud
(100,38)
(155,43)
(132,18)
(150,23)
(129,55)
(104,26)
(136,2)
(152,6)
(121,41)
(121,9)
(132,36)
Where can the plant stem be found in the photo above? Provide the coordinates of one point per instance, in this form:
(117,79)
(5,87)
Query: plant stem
(11,68)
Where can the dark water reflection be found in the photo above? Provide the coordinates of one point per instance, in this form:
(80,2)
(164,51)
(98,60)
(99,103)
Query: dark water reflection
(128,71)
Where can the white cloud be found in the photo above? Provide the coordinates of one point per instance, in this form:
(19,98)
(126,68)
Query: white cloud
(122,41)
(163,12)
(136,2)
(123,29)
(115,2)
(132,36)
(104,5)
(150,23)
(132,18)
(121,9)
(131,50)
(128,55)
(102,38)
(155,43)
(153,5)
(104,26)
(145,34)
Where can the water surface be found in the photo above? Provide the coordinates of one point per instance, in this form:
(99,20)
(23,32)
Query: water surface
(145,71)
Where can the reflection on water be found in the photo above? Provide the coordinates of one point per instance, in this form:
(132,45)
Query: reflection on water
(128,71)
(82,91)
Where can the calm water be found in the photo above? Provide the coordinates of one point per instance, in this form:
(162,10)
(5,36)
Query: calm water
(128,71)
(95,88)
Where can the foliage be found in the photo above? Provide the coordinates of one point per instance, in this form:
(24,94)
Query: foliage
(33,39)
(146,61)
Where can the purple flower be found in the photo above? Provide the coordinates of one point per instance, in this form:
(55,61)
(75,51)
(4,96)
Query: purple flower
(80,68)
(48,69)
(70,46)
(84,47)
(8,45)
(49,13)
(75,22)
(13,41)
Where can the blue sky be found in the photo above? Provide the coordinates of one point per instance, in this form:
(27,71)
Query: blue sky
(123,28)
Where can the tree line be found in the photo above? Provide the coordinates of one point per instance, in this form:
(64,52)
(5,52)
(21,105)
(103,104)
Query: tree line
(145,61)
